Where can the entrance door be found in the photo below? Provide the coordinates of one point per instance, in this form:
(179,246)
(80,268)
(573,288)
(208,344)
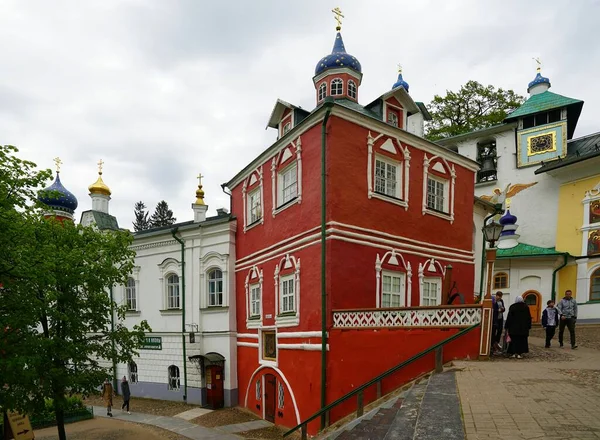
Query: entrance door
(270,398)
(214,386)
(533,301)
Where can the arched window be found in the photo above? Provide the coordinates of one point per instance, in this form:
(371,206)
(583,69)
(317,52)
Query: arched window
(322,91)
(215,287)
(595,285)
(133,372)
(173,372)
(337,87)
(501,280)
(130,294)
(352,89)
(173,291)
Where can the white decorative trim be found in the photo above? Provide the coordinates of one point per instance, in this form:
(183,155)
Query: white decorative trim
(307,347)
(447,317)
(248,335)
(135,275)
(331,87)
(267,362)
(287,262)
(390,258)
(249,181)
(139,247)
(276,245)
(248,344)
(283,155)
(254,277)
(167,267)
(385,106)
(209,261)
(315,334)
(450,191)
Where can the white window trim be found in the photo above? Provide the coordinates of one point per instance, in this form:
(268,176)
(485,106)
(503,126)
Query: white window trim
(590,196)
(398,108)
(392,258)
(275,177)
(254,277)
(399,175)
(319,98)
(289,118)
(281,189)
(288,320)
(402,292)
(588,282)
(355,89)
(178,285)
(168,267)
(261,360)
(438,282)
(214,260)
(337,81)
(449,188)
(245,192)
(430,266)
(404,162)
(445,190)
(208,281)
(135,274)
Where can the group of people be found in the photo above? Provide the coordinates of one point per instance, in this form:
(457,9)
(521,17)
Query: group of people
(108,392)
(518,323)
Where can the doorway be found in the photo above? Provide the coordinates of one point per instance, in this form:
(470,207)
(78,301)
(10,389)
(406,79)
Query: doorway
(214,386)
(270,398)
(533,299)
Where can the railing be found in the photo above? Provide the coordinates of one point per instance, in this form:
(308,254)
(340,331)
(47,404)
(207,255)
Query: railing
(359,391)
(435,316)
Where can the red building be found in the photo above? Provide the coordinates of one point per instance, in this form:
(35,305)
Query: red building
(398,210)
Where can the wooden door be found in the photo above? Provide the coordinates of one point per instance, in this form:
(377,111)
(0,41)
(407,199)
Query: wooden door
(270,398)
(533,301)
(214,387)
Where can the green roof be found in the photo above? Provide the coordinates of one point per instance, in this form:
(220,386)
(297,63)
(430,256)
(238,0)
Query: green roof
(527,250)
(542,102)
(580,149)
(105,221)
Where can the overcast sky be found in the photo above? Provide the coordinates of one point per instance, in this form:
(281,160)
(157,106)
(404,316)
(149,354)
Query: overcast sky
(162,90)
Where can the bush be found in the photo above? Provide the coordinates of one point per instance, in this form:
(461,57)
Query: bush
(73,404)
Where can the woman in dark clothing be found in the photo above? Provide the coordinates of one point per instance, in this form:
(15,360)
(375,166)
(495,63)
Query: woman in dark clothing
(126,394)
(518,324)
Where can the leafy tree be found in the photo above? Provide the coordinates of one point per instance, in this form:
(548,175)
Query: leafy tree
(141,222)
(473,107)
(162,216)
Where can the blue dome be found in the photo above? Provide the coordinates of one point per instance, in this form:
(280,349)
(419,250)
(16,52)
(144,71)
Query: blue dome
(508,219)
(62,199)
(539,79)
(338,58)
(400,83)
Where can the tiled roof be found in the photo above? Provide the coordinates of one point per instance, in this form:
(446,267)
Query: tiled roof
(542,102)
(357,107)
(527,250)
(578,150)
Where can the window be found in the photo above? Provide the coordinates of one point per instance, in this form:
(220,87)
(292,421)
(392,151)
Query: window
(133,372)
(130,296)
(542,119)
(436,194)
(595,285)
(269,346)
(258,389)
(173,291)
(254,211)
(392,118)
(337,87)
(173,382)
(487,157)
(287,127)
(288,184)
(386,178)
(322,91)
(280,395)
(255,300)
(501,280)
(215,288)
(352,89)
(287,294)
(392,289)
(432,293)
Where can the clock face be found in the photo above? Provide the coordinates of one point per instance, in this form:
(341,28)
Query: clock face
(541,144)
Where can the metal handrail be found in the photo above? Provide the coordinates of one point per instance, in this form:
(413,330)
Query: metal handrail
(376,379)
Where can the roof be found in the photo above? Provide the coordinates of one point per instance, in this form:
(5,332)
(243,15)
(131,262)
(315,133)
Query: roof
(542,102)
(498,128)
(487,205)
(578,150)
(348,103)
(278,111)
(527,250)
(103,220)
(426,114)
(185,225)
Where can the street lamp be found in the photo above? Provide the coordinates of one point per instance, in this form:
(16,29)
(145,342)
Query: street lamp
(491,233)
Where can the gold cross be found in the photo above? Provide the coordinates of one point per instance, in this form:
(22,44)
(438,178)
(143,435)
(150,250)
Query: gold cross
(100,163)
(399,68)
(58,163)
(337,12)
(200,176)
(539,64)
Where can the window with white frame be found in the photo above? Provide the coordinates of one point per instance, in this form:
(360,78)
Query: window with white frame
(173,378)
(288,184)
(392,118)
(286,127)
(173,291)
(287,289)
(132,371)
(392,289)
(255,301)
(387,177)
(352,89)
(215,288)
(337,87)
(432,292)
(437,198)
(322,91)
(280,395)
(254,209)
(258,389)
(130,294)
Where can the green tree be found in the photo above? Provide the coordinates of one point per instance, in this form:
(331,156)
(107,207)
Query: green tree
(141,222)
(162,216)
(473,107)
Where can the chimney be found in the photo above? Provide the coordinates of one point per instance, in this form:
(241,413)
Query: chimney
(222,212)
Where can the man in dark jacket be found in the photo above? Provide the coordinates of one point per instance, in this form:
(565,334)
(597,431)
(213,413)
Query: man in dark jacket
(567,309)
(126,394)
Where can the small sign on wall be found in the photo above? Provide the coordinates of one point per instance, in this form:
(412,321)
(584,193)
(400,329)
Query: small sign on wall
(269,316)
(152,343)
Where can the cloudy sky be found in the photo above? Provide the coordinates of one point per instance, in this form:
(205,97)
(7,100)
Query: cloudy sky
(164,89)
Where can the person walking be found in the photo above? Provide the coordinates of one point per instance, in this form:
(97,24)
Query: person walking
(126,394)
(550,321)
(499,323)
(107,395)
(567,309)
(518,324)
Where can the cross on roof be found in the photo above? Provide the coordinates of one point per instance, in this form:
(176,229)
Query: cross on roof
(199,177)
(100,163)
(399,68)
(58,163)
(337,12)
(539,63)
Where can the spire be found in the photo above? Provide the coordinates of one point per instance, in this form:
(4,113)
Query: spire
(56,197)
(400,81)
(99,187)
(200,191)
(540,83)
(199,207)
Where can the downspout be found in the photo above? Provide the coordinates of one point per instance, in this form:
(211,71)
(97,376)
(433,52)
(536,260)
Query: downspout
(173,232)
(223,186)
(112,341)
(328,106)
(553,291)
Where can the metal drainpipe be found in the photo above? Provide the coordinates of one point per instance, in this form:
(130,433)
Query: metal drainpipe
(112,331)
(553,291)
(223,186)
(173,232)
(328,105)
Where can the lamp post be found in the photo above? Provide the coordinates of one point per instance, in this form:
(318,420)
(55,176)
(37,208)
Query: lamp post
(491,234)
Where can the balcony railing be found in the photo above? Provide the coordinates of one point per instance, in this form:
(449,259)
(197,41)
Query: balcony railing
(460,316)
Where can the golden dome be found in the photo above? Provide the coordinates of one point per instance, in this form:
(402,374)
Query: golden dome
(199,191)
(99,187)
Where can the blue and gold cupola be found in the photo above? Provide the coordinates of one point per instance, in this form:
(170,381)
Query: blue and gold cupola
(59,199)
(540,83)
(338,58)
(400,81)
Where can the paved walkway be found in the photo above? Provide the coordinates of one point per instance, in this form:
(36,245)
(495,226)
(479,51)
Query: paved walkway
(522,399)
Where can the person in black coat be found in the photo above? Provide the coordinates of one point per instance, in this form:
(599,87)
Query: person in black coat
(518,324)
(126,394)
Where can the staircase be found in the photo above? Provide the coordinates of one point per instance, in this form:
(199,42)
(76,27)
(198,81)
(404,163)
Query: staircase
(429,410)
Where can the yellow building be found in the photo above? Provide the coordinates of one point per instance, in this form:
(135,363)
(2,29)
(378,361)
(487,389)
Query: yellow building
(578,225)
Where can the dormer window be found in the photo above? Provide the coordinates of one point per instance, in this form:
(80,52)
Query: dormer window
(352,89)
(337,87)
(322,91)
(287,127)
(392,118)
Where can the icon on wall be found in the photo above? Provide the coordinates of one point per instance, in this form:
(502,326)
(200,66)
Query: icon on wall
(594,242)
